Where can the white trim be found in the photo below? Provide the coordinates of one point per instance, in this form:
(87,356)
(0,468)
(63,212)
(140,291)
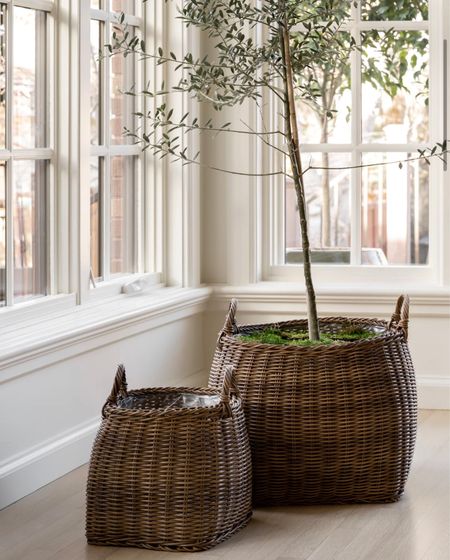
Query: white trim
(288,299)
(44,463)
(369,25)
(62,147)
(84,134)
(396,25)
(37,466)
(444,193)
(40,307)
(31,153)
(9,235)
(43,5)
(90,326)
(191,180)
(346,275)
(9,260)
(358,147)
(115,150)
(433,392)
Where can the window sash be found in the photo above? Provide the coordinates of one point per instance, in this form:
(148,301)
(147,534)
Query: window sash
(11,155)
(107,150)
(273,265)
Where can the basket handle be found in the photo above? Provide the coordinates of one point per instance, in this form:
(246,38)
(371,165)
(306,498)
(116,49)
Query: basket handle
(228,388)
(400,317)
(119,388)
(229,326)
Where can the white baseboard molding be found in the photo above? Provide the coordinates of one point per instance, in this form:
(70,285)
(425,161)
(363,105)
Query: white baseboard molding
(40,465)
(433,393)
(23,474)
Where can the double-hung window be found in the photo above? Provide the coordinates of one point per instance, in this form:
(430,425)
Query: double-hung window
(377,104)
(26,149)
(116,165)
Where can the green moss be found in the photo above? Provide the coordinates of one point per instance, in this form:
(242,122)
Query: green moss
(300,338)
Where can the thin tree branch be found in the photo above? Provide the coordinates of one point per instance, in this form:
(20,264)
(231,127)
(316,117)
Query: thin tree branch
(364,165)
(260,136)
(215,129)
(185,160)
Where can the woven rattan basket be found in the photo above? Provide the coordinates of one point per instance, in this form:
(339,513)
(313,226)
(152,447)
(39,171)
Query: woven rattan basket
(170,468)
(327,424)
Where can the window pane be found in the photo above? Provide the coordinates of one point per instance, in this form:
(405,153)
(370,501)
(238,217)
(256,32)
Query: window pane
(122,182)
(122,105)
(2,232)
(95,82)
(318,119)
(126,6)
(395,86)
(399,10)
(29,81)
(328,197)
(2,75)
(95,4)
(395,211)
(30,238)
(95,205)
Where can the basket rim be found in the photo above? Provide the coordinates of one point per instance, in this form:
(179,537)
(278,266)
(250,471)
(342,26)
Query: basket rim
(214,410)
(389,334)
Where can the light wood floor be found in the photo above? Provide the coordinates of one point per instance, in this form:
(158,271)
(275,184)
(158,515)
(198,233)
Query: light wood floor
(49,524)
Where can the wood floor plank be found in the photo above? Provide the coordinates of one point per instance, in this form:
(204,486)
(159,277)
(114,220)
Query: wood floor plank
(49,524)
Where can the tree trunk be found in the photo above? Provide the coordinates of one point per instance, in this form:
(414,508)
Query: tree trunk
(326,205)
(294,155)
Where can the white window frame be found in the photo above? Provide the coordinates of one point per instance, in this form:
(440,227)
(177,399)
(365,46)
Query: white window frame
(10,154)
(107,151)
(169,255)
(272,257)
(147,201)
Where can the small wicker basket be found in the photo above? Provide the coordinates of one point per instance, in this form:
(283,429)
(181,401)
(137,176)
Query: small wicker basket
(170,468)
(327,424)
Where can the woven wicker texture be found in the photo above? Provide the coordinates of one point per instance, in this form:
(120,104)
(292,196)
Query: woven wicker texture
(166,474)
(327,424)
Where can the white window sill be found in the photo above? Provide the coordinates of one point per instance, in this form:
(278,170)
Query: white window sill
(376,298)
(339,276)
(68,324)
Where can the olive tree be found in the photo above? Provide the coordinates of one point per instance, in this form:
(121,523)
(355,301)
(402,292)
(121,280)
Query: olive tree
(299,36)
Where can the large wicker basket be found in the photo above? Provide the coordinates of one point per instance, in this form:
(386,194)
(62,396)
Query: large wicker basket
(327,424)
(170,468)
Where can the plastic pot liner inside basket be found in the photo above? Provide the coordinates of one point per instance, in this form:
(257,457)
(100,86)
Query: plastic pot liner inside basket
(170,468)
(327,423)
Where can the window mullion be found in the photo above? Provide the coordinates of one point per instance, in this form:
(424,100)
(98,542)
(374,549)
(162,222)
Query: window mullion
(137,194)
(439,25)
(149,168)
(83,124)
(355,213)
(46,69)
(9,234)
(106,186)
(106,218)
(43,5)
(9,164)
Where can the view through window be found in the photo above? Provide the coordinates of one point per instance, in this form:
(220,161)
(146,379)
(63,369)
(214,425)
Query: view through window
(377,100)
(25,153)
(114,159)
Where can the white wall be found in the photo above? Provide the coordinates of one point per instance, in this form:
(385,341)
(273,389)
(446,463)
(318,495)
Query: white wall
(49,414)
